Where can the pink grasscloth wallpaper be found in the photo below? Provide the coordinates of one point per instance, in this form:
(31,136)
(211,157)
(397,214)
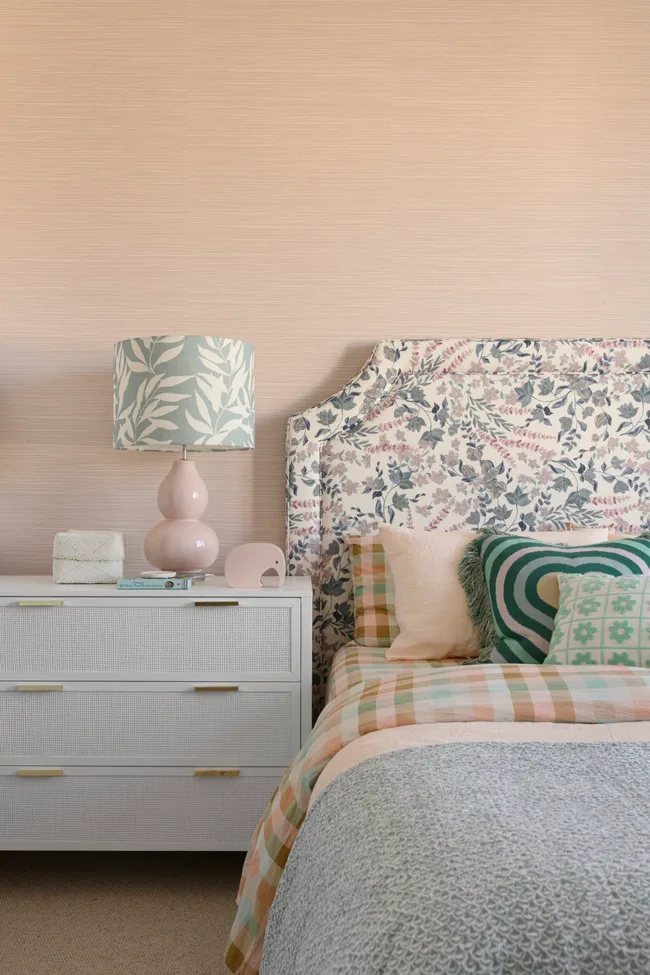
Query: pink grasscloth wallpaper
(310,176)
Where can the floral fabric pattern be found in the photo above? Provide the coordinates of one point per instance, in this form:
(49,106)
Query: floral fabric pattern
(444,434)
(617,632)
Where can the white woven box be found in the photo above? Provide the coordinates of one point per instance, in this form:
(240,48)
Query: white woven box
(91,573)
(89,557)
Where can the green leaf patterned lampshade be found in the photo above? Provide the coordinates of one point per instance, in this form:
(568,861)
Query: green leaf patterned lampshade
(193,391)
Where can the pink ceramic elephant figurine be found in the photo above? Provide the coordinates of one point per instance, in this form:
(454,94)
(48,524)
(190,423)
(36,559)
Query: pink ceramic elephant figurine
(246,565)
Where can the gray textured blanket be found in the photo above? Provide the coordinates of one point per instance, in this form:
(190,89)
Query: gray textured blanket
(472,859)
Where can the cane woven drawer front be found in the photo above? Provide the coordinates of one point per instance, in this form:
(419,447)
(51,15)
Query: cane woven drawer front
(86,723)
(147,811)
(127,641)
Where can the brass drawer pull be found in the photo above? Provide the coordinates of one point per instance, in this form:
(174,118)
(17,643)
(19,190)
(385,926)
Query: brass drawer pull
(41,602)
(38,773)
(216,688)
(39,687)
(216,602)
(214,773)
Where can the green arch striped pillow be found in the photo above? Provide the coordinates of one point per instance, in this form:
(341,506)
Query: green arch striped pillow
(501,575)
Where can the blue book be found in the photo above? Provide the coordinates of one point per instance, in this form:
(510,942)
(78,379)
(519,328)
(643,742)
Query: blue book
(154,583)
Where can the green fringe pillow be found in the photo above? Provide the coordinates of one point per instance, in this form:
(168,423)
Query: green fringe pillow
(501,575)
(601,620)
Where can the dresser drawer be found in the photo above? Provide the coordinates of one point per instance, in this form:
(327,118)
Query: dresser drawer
(151,639)
(132,808)
(156,723)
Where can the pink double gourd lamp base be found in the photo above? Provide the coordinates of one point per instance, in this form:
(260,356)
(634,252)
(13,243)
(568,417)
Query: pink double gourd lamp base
(181,542)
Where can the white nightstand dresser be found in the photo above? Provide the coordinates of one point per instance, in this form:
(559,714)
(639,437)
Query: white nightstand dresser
(147,720)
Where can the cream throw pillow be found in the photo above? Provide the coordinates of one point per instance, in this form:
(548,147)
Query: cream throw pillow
(430,604)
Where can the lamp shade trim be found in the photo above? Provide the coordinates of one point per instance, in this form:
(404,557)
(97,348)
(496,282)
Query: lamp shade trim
(171,391)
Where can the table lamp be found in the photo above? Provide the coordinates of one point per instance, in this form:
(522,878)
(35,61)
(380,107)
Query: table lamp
(186,393)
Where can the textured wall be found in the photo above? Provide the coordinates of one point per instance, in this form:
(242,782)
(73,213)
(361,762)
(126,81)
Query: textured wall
(307,175)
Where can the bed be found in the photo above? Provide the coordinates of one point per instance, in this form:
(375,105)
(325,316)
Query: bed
(444,817)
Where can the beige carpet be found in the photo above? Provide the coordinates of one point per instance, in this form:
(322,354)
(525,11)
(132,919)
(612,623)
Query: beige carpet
(116,913)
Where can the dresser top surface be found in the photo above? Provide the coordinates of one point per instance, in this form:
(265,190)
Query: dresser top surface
(42,586)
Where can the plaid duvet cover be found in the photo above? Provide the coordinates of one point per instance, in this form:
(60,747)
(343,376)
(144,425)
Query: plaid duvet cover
(353,664)
(487,692)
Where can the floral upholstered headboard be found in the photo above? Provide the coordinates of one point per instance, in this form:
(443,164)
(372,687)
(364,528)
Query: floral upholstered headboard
(447,434)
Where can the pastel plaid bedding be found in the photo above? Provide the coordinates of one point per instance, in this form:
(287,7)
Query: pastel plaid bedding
(488,692)
(375,624)
(353,664)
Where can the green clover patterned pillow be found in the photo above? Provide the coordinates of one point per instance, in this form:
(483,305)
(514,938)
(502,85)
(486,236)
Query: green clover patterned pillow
(602,620)
(504,575)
